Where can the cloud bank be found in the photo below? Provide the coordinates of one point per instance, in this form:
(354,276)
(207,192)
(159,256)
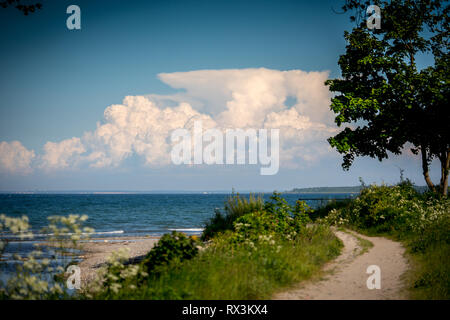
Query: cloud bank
(295,101)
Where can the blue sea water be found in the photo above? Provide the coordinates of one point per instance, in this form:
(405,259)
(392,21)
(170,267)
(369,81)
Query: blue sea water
(131,214)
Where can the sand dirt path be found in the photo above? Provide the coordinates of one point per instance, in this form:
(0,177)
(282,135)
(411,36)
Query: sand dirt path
(346,278)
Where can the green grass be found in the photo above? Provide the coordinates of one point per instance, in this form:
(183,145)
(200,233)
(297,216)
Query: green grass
(430,276)
(243,272)
(364,244)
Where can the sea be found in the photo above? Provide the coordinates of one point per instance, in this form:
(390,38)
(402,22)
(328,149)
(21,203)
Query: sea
(115,215)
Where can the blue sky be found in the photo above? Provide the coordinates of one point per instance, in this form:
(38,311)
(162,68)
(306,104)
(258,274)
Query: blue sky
(56,84)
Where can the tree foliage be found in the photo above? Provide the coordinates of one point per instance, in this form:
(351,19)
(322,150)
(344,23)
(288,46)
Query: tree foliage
(386,99)
(19,5)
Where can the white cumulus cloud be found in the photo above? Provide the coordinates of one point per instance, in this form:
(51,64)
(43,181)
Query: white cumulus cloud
(15,158)
(139,127)
(62,154)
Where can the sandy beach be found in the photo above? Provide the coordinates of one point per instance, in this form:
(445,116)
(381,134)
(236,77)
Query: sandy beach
(96,252)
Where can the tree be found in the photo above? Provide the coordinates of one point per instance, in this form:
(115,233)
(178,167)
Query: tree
(385,99)
(25,8)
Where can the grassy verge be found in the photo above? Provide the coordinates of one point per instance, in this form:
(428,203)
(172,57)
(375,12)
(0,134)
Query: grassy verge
(431,274)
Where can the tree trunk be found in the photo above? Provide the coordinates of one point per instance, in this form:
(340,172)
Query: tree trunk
(426,174)
(445,164)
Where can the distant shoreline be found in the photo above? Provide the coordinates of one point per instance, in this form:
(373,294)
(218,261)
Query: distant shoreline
(158,193)
(324,192)
(348,189)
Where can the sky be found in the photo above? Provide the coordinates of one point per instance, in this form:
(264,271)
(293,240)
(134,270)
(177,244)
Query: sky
(94,109)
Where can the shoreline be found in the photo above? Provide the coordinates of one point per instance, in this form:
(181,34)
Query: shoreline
(95,253)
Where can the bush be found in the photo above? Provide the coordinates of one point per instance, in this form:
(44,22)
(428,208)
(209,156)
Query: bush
(323,211)
(235,207)
(173,247)
(398,209)
(252,219)
(119,277)
(277,220)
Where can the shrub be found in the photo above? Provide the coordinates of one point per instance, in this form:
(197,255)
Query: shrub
(253,220)
(116,276)
(399,209)
(235,207)
(173,247)
(278,219)
(325,210)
